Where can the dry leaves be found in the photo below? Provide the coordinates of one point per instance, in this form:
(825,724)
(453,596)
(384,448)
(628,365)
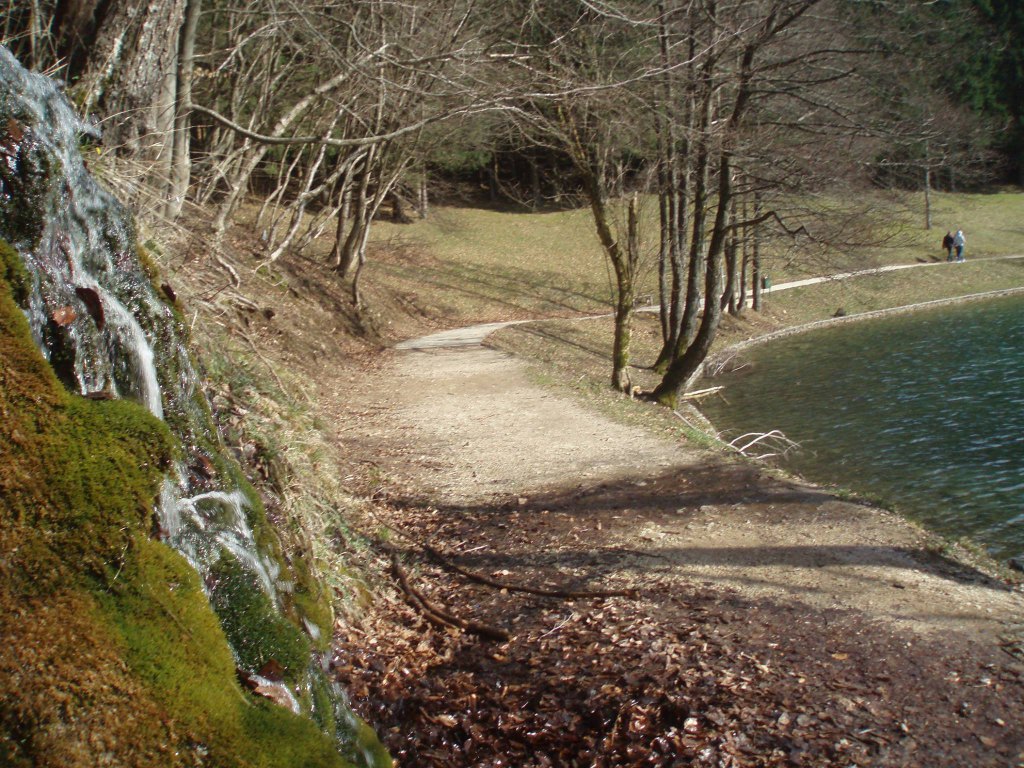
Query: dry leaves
(677,677)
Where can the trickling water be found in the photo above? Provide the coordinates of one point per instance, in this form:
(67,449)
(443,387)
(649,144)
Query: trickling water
(223,514)
(96,317)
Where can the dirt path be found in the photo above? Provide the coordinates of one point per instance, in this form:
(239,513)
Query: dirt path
(522,485)
(476,431)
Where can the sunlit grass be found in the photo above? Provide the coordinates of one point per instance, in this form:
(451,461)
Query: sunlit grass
(992,223)
(470,264)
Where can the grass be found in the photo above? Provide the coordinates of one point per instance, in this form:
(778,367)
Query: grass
(993,223)
(464,265)
(467,265)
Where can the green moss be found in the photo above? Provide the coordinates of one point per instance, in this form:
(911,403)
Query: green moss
(112,654)
(82,473)
(13,271)
(254,628)
(312,602)
(177,646)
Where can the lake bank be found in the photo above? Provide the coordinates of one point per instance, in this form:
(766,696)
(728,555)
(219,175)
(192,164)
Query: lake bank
(567,348)
(919,412)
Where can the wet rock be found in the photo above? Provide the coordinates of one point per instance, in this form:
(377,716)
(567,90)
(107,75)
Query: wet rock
(93,305)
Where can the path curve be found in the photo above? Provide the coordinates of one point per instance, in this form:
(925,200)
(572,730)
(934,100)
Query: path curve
(475,335)
(466,429)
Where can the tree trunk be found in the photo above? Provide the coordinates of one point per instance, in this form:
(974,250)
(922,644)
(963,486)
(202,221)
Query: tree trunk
(624,305)
(350,250)
(927,198)
(622,265)
(180,163)
(398,214)
(344,208)
(745,254)
(755,257)
(126,72)
(731,262)
(423,197)
(685,367)
(535,189)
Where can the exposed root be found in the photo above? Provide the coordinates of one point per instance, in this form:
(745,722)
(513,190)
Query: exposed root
(567,594)
(439,616)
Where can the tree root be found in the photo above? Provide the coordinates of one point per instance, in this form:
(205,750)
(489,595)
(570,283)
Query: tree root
(439,616)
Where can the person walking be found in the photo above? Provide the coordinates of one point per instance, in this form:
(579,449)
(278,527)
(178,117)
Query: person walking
(958,243)
(947,245)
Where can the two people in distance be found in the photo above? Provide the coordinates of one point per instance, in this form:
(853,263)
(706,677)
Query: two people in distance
(954,243)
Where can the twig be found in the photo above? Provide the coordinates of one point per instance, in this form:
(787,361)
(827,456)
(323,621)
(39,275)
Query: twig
(270,366)
(699,393)
(778,441)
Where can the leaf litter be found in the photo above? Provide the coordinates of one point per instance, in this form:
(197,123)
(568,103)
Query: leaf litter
(679,674)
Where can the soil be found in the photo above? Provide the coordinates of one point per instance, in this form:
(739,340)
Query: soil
(757,620)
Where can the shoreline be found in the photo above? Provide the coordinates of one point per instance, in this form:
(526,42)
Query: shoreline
(737,347)
(976,550)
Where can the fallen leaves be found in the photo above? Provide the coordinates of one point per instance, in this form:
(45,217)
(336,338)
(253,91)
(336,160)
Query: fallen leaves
(675,675)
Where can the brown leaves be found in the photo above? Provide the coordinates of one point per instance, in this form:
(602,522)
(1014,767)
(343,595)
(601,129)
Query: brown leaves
(64,316)
(679,675)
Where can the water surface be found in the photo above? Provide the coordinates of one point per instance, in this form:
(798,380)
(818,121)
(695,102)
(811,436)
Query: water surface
(924,411)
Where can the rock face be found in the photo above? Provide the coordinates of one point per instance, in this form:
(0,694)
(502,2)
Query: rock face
(95,315)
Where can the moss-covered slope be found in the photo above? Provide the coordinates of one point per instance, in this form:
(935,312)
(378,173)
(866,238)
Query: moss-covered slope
(111,654)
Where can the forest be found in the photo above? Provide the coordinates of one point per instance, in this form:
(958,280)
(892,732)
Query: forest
(736,116)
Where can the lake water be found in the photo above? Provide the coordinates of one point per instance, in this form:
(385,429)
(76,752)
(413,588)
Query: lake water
(924,411)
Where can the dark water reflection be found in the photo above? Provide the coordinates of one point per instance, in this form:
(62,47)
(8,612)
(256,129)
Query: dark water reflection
(925,411)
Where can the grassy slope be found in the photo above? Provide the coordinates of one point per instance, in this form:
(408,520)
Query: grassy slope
(465,265)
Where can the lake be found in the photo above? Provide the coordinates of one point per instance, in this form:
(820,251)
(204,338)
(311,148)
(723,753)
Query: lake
(922,411)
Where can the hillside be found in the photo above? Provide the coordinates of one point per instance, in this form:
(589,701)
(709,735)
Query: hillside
(381,453)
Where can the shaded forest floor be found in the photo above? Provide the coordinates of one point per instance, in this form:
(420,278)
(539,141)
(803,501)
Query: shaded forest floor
(760,621)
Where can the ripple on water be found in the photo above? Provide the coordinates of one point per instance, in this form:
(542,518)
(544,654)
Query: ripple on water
(925,411)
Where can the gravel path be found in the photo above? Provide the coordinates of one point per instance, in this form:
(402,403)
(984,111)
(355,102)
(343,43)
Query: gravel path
(766,623)
(465,426)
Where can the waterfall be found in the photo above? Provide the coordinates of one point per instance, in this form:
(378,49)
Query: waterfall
(97,318)
(95,315)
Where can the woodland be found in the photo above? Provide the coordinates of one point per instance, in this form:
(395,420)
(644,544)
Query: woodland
(736,116)
(258,148)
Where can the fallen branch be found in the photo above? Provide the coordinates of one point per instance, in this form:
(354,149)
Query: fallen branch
(697,394)
(568,594)
(235,279)
(776,442)
(439,616)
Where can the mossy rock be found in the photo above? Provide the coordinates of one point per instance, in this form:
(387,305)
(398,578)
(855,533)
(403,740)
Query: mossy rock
(257,632)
